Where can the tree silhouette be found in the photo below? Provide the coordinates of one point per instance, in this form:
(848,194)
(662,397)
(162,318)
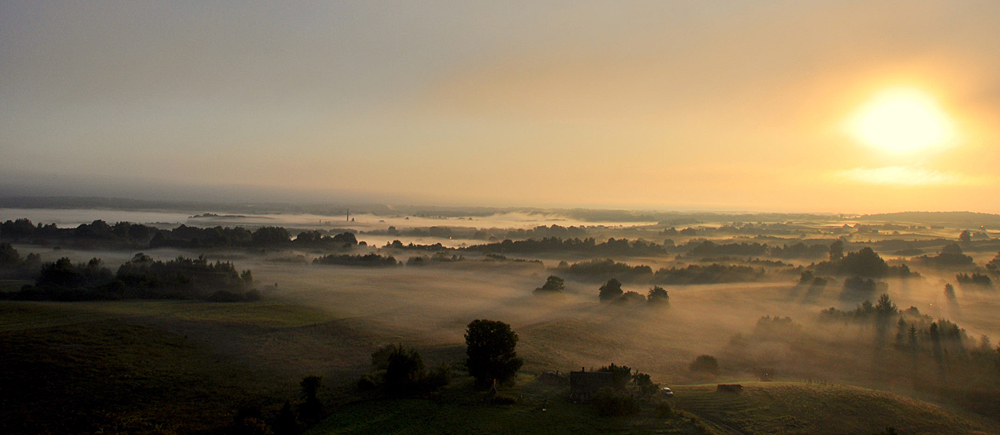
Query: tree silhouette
(491,353)
(610,291)
(705,363)
(404,368)
(864,263)
(553,284)
(312,409)
(836,250)
(657,295)
(965,236)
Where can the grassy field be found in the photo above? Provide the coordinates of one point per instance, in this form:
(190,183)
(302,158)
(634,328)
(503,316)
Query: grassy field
(541,408)
(134,367)
(803,408)
(762,408)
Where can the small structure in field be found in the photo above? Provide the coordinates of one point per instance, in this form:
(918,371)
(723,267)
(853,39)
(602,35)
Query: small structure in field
(584,385)
(728,388)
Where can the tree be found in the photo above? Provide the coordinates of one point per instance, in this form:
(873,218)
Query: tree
(312,409)
(610,291)
(836,250)
(885,307)
(965,236)
(645,384)
(705,363)
(630,298)
(657,295)
(405,368)
(553,284)
(865,263)
(952,249)
(270,236)
(8,255)
(491,354)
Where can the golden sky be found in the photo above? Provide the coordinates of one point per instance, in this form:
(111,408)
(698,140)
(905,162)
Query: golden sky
(742,105)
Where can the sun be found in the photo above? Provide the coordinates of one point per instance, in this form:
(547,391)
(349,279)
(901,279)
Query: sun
(902,120)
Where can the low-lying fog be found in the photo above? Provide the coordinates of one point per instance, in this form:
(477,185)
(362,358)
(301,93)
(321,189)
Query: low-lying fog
(430,306)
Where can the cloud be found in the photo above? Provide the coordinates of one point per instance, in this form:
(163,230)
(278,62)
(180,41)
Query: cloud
(906,176)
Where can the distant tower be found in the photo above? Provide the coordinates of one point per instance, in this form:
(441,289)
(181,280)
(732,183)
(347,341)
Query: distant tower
(348,215)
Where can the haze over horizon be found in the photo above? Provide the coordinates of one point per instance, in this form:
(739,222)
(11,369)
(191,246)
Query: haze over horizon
(825,106)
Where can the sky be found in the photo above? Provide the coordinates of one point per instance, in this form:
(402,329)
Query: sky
(664,105)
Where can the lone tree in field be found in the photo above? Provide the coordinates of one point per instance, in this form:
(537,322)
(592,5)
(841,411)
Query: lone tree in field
(658,296)
(491,352)
(553,285)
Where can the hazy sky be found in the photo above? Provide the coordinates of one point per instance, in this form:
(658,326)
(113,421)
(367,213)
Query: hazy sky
(731,105)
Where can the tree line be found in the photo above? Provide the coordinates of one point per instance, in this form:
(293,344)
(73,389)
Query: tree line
(137,236)
(140,278)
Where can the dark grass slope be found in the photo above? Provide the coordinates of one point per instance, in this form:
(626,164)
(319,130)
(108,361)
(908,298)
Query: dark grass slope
(771,408)
(114,377)
(802,408)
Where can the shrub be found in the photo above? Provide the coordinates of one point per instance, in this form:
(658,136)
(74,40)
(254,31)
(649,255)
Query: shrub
(553,285)
(438,377)
(405,369)
(705,363)
(663,409)
(610,291)
(312,409)
(630,298)
(657,295)
(611,403)
(645,384)
(368,382)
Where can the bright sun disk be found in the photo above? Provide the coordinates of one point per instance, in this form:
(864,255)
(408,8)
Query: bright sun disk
(901,121)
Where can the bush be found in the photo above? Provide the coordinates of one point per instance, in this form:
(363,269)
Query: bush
(438,377)
(610,291)
(312,409)
(705,363)
(553,285)
(612,403)
(405,369)
(645,384)
(657,295)
(663,409)
(630,298)
(368,382)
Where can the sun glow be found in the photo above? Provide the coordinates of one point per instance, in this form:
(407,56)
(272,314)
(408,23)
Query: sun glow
(902,121)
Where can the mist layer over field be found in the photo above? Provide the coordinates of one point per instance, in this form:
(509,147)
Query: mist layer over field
(744,294)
